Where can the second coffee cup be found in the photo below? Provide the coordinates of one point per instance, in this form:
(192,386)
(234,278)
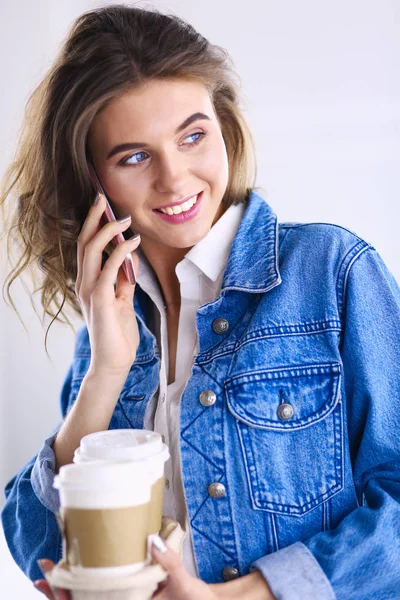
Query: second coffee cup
(131,445)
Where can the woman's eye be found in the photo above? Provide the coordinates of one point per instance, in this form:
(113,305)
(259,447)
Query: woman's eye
(134,156)
(201,134)
(136,159)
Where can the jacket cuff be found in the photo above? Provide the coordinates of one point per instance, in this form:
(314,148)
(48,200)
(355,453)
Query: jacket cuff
(294,574)
(43,473)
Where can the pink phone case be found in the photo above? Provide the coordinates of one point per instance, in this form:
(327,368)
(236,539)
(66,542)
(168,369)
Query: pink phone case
(109,216)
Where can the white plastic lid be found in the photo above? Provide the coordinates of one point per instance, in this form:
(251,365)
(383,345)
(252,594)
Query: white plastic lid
(103,475)
(121,444)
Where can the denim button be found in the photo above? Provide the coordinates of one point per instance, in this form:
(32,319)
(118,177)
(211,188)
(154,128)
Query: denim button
(285,411)
(220,325)
(216,490)
(229,573)
(207,398)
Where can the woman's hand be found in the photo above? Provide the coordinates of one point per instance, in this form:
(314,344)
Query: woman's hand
(182,586)
(108,312)
(44,587)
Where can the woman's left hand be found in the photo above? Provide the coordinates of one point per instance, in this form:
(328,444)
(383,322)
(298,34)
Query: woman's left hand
(181,586)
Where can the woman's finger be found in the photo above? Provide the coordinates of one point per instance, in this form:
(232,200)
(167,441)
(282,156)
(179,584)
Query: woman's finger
(42,586)
(93,254)
(113,264)
(91,226)
(167,558)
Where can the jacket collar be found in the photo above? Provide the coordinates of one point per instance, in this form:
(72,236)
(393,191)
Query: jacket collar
(253,260)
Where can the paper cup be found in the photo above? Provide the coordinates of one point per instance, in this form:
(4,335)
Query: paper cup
(135,445)
(105,511)
(138,586)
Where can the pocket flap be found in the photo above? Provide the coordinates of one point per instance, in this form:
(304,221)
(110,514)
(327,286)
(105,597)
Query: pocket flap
(312,391)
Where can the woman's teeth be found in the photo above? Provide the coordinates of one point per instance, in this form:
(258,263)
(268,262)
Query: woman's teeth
(175,210)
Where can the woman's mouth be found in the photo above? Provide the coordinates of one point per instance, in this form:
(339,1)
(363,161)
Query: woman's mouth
(182,212)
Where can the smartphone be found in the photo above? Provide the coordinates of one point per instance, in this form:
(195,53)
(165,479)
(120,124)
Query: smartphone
(109,216)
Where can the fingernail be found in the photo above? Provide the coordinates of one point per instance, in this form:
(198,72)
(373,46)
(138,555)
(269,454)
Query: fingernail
(158,543)
(134,238)
(97,198)
(41,563)
(124,219)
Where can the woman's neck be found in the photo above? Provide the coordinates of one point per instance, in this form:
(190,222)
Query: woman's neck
(163,261)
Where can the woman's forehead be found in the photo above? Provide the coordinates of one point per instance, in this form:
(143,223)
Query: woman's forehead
(154,109)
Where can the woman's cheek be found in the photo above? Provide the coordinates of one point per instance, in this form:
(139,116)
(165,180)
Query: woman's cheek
(214,165)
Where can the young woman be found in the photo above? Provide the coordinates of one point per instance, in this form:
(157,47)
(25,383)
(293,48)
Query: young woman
(266,354)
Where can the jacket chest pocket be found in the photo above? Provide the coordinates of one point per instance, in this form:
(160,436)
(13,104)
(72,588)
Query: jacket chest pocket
(289,422)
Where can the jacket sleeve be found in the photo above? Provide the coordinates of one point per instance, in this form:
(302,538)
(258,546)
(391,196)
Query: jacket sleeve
(360,558)
(28,518)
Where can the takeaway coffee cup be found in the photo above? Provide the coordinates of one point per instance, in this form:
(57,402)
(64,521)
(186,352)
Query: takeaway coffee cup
(136,445)
(105,512)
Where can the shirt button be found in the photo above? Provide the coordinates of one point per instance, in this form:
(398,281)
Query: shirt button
(285,411)
(216,490)
(220,325)
(163,439)
(229,573)
(207,398)
(167,484)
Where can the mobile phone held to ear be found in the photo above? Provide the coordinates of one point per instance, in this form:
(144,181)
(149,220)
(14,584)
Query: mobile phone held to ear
(109,216)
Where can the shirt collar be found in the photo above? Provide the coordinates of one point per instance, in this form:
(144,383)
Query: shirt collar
(211,253)
(252,256)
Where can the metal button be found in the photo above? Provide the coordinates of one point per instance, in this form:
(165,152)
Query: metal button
(285,411)
(163,439)
(167,484)
(207,398)
(220,325)
(229,573)
(216,490)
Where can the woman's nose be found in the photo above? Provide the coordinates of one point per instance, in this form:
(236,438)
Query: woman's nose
(170,174)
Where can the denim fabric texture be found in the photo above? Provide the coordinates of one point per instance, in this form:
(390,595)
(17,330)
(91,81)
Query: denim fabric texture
(305,430)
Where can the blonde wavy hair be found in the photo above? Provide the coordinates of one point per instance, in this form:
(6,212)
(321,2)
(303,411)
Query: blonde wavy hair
(46,192)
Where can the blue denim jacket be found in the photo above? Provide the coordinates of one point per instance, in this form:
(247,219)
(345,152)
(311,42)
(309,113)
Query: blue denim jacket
(304,433)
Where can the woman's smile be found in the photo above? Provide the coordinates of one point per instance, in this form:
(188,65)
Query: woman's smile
(180,213)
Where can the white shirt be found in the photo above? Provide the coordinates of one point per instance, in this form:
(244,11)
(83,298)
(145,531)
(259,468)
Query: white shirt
(200,275)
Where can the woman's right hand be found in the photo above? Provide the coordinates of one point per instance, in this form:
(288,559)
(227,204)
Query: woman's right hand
(109,313)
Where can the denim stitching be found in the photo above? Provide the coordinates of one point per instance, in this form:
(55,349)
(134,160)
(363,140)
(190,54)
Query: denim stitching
(224,550)
(274,532)
(260,504)
(201,454)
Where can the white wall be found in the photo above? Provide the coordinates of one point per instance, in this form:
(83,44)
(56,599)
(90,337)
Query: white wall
(322,95)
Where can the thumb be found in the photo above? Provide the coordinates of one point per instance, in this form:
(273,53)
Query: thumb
(167,558)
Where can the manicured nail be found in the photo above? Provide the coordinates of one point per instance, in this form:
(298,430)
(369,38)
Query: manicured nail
(134,238)
(158,543)
(124,219)
(97,198)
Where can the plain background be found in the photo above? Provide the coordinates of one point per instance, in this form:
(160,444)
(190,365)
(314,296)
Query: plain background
(321,91)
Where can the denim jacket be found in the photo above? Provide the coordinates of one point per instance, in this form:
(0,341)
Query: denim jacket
(300,423)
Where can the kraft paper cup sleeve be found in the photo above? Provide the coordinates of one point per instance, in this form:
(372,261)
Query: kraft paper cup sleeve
(138,586)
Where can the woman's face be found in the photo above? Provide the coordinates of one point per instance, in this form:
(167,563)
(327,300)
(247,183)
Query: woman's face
(156,146)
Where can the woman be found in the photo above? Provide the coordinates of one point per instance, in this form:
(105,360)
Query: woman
(265,354)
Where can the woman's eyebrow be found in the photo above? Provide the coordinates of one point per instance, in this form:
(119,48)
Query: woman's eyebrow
(134,145)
